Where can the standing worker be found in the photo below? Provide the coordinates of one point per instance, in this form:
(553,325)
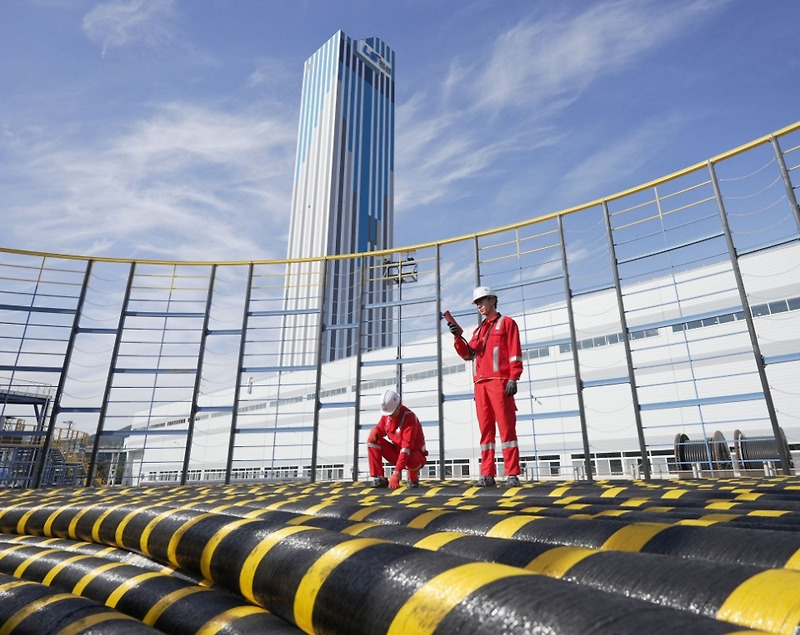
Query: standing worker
(399,439)
(496,356)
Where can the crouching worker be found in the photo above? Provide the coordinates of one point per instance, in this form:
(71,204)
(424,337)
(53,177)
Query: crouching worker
(399,439)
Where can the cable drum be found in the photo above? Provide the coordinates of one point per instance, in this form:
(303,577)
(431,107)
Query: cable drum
(754,452)
(721,451)
(689,453)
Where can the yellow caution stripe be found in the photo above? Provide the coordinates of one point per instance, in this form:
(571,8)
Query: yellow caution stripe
(555,562)
(361,514)
(213,542)
(87,578)
(129,584)
(423,520)
(430,604)
(83,624)
(612,492)
(48,579)
(254,559)
(436,541)
(356,529)
(99,521)
(20,570)
(507,527)
(635,536)
(223,620)
(315,577)
(168,600)
(674,493)
(172,547)
(15,620)
(768,601)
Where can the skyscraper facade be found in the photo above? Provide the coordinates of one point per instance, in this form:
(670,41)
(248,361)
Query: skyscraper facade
(342,201)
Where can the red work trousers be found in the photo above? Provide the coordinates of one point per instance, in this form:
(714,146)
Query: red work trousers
(391,453)
(494,406)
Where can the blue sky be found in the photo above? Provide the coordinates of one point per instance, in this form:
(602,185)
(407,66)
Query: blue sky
(166,129)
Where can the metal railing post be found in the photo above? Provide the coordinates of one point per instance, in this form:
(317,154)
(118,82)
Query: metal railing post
(318,381)
(48,437)
(187,455)
(587,460)
(101,419)
(751,327)
(240,363)
(637,414)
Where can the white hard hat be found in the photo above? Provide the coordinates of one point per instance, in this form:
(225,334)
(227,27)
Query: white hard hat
(482,292)
(389,402)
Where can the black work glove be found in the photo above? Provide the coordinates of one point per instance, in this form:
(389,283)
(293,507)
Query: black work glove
(455,329)
(511,388)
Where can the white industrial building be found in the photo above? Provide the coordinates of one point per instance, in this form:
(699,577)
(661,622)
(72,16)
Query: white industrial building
(694,370)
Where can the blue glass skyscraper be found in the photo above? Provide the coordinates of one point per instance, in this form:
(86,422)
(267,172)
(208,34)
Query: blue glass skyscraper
(343,197)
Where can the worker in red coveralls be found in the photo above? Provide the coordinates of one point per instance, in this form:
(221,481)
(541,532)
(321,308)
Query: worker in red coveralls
(399,439)
(496,355)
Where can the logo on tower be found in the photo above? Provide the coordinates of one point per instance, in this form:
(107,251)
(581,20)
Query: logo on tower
(373,58)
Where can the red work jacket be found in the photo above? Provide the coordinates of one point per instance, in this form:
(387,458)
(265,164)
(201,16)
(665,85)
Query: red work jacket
(405,432)
(494,349)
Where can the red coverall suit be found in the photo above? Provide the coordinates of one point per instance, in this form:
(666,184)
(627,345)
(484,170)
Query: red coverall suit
(404,448)
(497,357)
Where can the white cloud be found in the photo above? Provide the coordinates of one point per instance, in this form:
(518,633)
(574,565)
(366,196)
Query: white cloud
(537,67)
(181,184)
(620,157)
(558,56)
(274,73)
(122,22)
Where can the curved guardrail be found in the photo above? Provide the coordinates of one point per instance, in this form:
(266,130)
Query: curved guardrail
(669,308)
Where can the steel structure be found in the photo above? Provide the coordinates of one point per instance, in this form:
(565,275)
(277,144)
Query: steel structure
(649,310)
